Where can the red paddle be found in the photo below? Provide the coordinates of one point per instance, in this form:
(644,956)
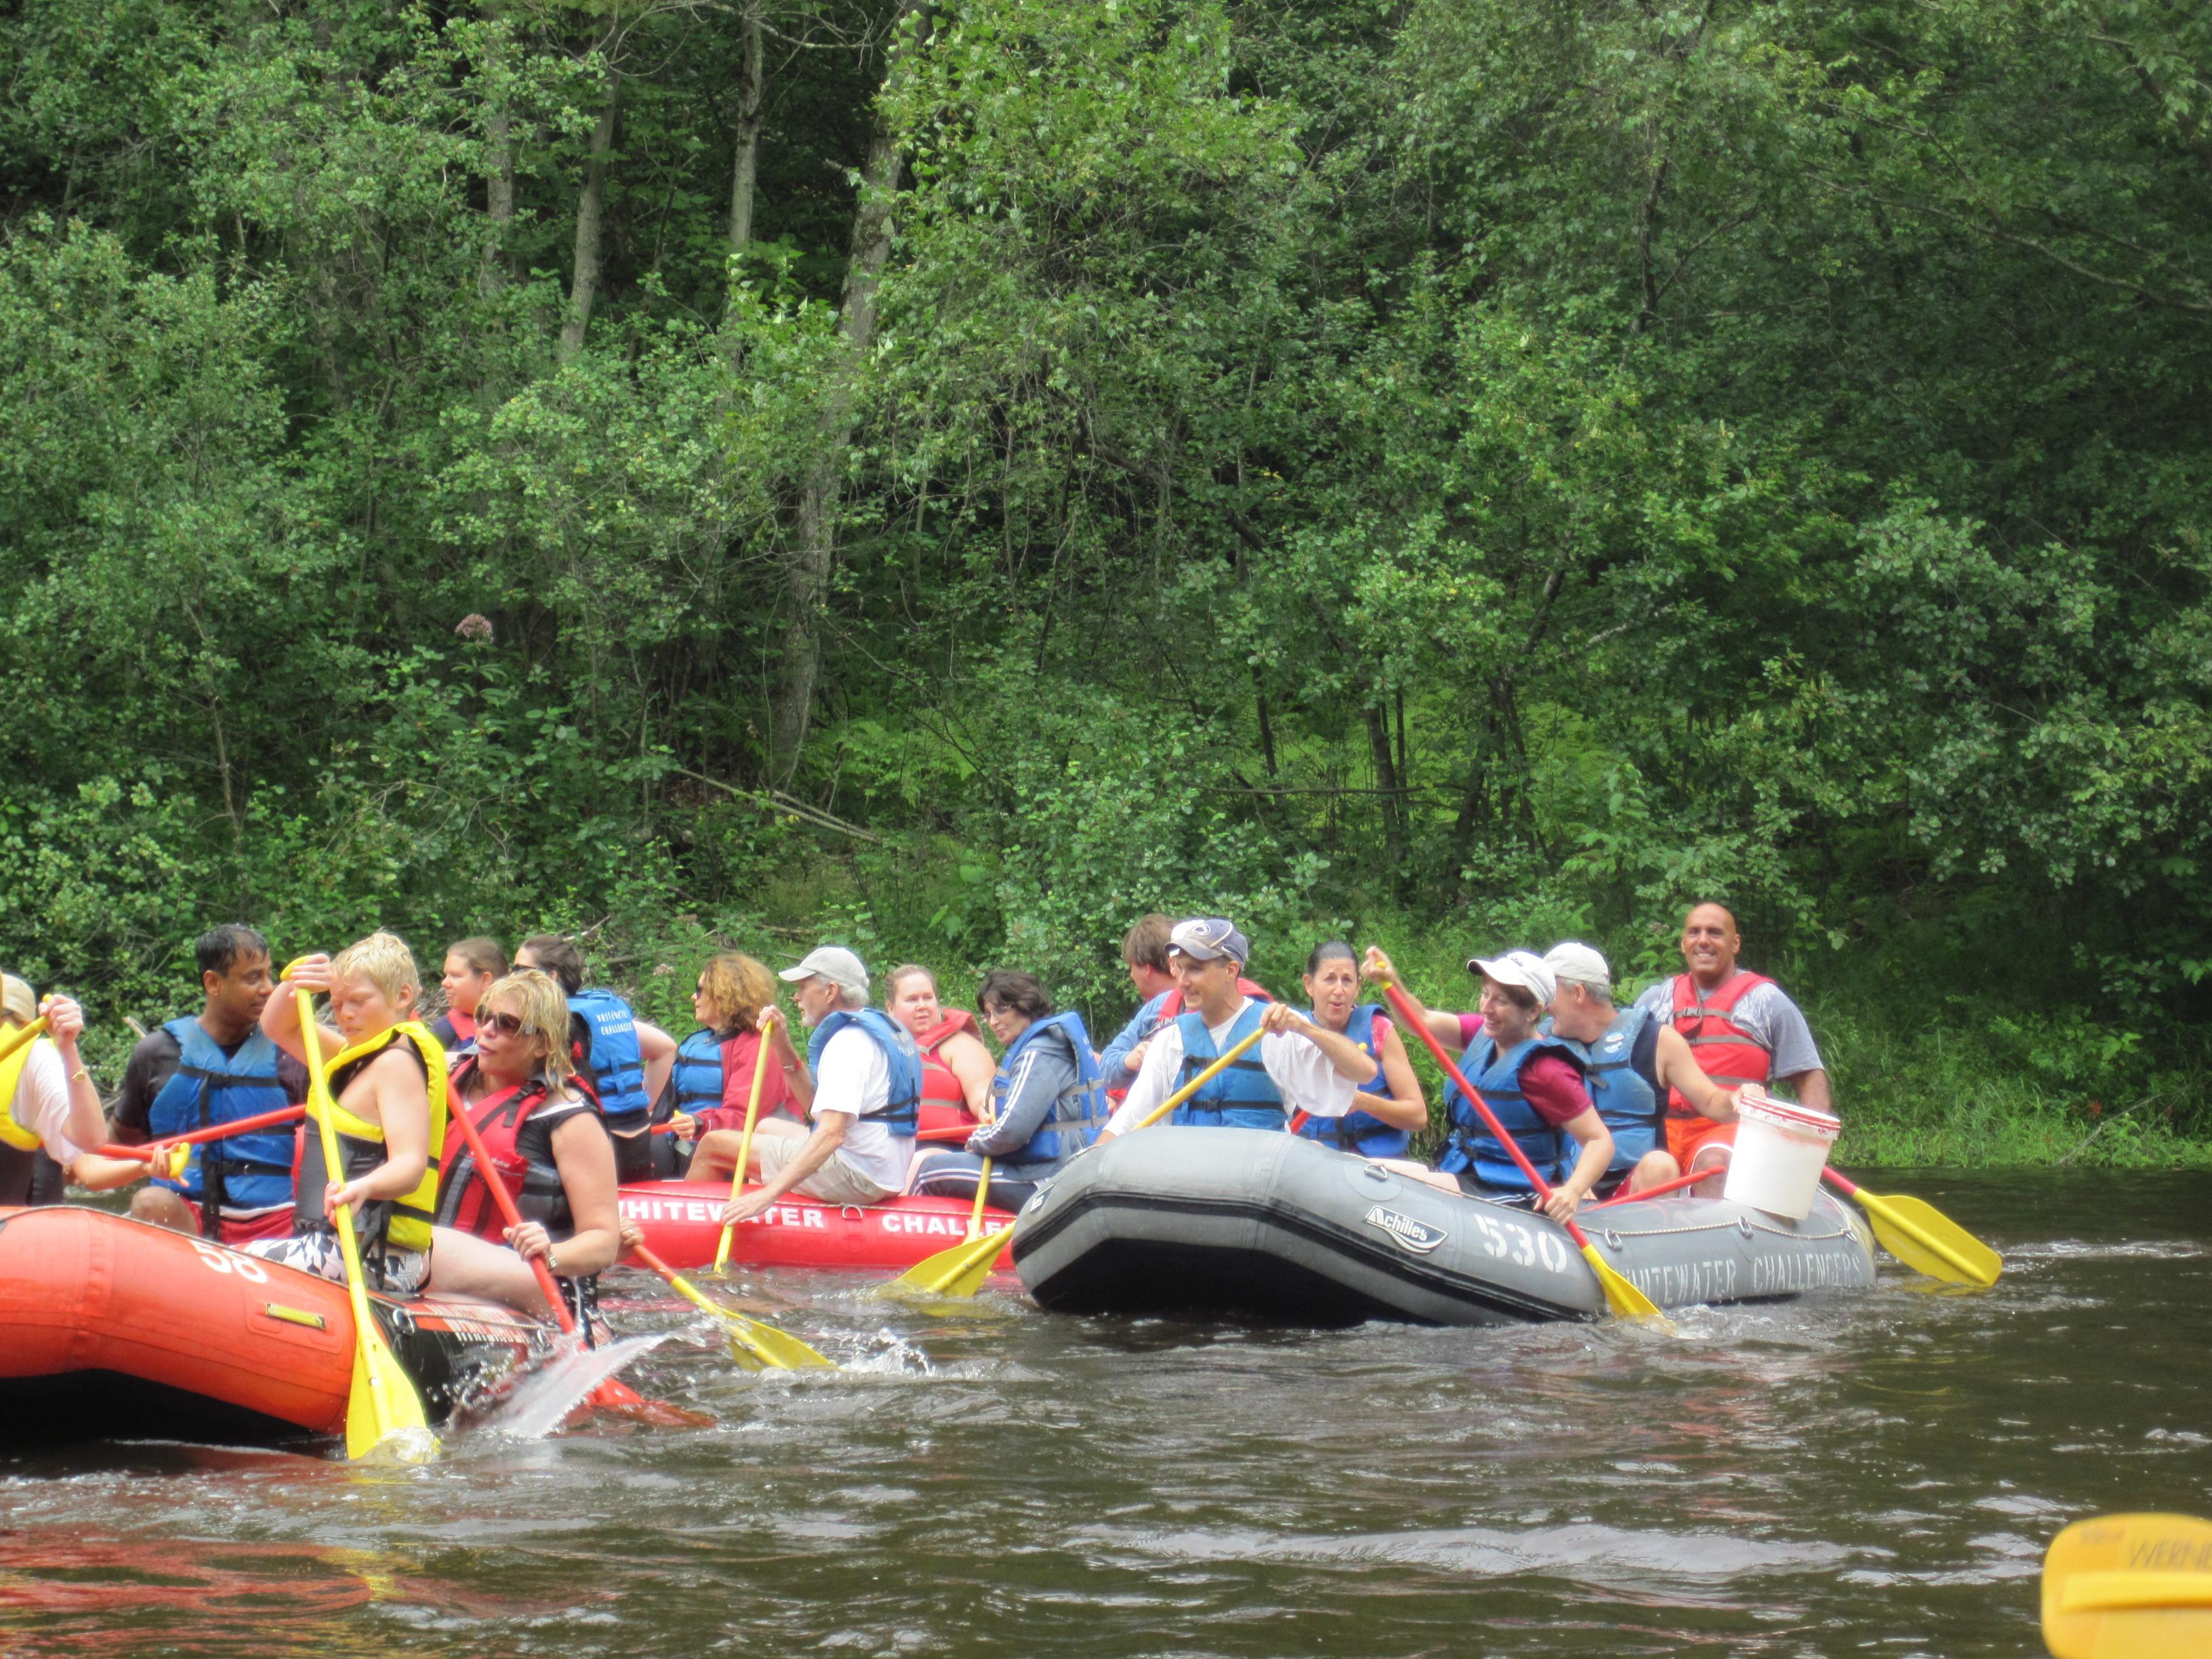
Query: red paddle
(152,1150)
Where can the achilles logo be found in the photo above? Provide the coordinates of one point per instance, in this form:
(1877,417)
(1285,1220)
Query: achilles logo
(1415,1235)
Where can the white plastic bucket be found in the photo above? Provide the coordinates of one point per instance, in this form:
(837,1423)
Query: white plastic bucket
(1780,1147)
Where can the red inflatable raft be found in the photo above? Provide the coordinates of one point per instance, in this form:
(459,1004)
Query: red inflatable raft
(113,1330)
(683,1222)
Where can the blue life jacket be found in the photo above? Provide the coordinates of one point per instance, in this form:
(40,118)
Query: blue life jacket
(618,1068)
(901,1112)
(1361,1134)
(1243,1095)
(1497,1077)
(1076,1117)
(242,1172)
(696,1081)
(1631,1107)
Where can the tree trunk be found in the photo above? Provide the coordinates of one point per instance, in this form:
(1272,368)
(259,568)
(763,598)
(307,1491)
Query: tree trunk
(745,169)
(1393,809)
(813,554)
(584,280)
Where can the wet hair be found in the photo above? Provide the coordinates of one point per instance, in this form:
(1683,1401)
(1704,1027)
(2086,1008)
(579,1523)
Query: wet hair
(1330,950)
(482,955)
(385,961)
(217,950)
(736,988)
(900,974)
(536,998)
(1145,945)
(1016,992)
(557,957)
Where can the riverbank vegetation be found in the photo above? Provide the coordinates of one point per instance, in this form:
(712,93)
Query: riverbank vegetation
(954,476)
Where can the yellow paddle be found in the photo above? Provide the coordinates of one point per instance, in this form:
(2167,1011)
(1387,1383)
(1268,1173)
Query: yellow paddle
(754,1341)
(1922,1238)
(1623,1297)
(383,1402)
(2129,1587)
(744,1151)
(961,1270)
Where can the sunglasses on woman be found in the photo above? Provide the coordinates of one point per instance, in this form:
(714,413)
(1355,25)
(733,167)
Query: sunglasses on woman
(505,1024)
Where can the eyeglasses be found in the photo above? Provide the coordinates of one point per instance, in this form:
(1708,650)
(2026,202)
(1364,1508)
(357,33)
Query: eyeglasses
(505,1024)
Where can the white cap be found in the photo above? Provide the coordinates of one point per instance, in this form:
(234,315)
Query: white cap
(1208,937)
(1579,963)
(835,964)
(18,998)
(1522,968)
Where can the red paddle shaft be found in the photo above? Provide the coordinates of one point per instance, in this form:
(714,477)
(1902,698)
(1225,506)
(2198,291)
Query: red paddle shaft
(1675,1185)
(153,1149)
(1407,1012)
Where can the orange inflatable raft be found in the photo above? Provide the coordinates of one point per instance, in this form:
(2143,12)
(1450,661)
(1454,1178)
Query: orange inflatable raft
(113,1330)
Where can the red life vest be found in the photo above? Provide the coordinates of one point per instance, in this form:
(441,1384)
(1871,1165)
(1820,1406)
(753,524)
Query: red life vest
(467,1202)
(943,1102)
(1725,1051)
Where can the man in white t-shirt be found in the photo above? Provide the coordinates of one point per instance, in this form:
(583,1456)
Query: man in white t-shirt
(47,1101)
(1302,1067)
(861,1085)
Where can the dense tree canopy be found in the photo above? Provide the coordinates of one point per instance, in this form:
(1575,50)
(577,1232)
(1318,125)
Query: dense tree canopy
(986,468)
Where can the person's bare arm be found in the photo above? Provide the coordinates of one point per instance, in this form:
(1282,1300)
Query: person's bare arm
(656,1049)
(970,1062)
(1444,1028)
(97,1174)
(1405,1107)
(85,1124)
(1678,1068)
(775,1029)
(280,1015)
(1350,1061)
(394,1079)
(1812,1089)
(1596,1142)
(586,1158)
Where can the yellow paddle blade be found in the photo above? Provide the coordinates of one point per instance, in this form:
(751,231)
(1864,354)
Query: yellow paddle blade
(953,1273)
(384,1414)
(755,1337)
(2129,1587)
(1927,1241)
(1622,1297)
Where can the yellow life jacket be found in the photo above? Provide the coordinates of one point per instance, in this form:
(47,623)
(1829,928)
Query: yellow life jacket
(403,1223)
(12,1132)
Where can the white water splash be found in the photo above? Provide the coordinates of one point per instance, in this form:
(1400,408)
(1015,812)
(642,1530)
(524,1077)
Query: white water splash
(542,1399)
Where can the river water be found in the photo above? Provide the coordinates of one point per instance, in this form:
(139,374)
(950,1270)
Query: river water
(1875,1474)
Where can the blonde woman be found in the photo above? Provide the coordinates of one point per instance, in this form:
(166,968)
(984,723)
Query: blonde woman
(49,1109)
(387,1077)
(550,1147)
(713,1077)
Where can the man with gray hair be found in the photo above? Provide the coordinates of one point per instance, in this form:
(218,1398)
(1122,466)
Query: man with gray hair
(1630,1060)
(861,1085)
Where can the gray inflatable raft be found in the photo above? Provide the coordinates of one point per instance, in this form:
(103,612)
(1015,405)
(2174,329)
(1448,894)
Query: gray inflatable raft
(1241,1223)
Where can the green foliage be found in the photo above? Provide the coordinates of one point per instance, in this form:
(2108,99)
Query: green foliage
(1459,474)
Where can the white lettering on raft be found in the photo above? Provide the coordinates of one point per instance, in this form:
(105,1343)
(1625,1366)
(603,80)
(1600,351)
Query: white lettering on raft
(1677,1283)
(936,1226)
(700,1213)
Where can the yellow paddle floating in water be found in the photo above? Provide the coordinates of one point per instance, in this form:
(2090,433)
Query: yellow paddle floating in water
(2129,1587)
(754,1341)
